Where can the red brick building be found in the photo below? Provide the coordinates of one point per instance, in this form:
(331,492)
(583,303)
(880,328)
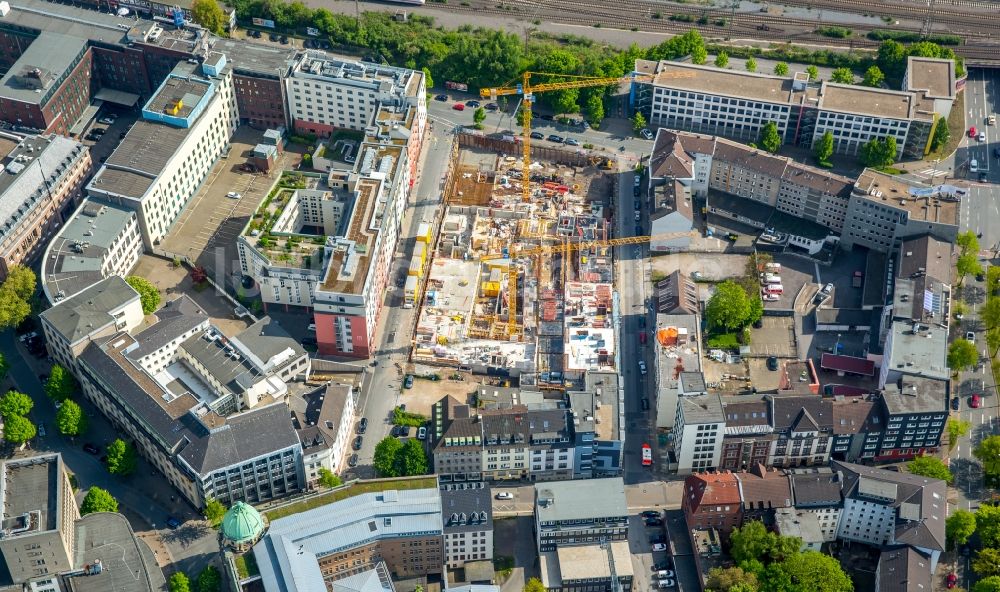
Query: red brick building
(712,500)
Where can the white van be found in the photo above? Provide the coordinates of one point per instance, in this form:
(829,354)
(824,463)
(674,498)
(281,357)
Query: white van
(775,289)
(773,267)
(770,278)
(973,166)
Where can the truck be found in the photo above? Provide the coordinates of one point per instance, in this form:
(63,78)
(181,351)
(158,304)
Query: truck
(857,280)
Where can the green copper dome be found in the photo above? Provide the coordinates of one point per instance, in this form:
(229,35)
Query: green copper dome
(242,523)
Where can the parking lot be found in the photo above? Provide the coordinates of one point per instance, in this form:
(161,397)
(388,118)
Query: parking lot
(111,135)
(795,272)
(840,274)
(206,230)
(775,337)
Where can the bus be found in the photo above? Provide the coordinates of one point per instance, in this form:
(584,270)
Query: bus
(647,455)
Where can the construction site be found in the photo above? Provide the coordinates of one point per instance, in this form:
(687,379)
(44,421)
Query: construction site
(519,282)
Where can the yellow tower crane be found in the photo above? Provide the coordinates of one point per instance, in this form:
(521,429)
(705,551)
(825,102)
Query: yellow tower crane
(527,91)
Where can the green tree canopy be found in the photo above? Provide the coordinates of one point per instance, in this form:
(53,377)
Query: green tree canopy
(386,453)
(15,296)
(873,77)
(990,313)
(412,460)
(816,572)
(534,585)
(699,55)
(721,59)
(98,500)
(990,584)
(729,307)
(478,117)
(638,121)
(988,452)
(962,354)
(594,106)
(842,76)
(941,134)
(823,149)
(15,403)
(781,69)
(891,58)
(121,458)
(210,580)
(327,478)
(751,541)
(428,79)
(959,526)
(208,14)
(988,524)
(750,64)
(956,428)
(729,579)
(770,139)
(70,419)
(930,466)
(18,429)
(987,562)
(21,281)
(677,46)
(214,511)
(879,153)
(179,582)
(4,367)
(813,72)
(60,385)
(968,264)
(967,242)
(149,296)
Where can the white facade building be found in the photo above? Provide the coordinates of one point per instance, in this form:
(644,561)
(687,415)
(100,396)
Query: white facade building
(698,432)
(165,157)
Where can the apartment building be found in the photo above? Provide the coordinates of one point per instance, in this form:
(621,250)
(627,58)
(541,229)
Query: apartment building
(456,437)
(467,515)
(737,105)
(816,492)
(678,356)
(326,428)
(309,550)
(762,491)
(99,240)
(41,184)
(159,165)
(712,501)
(804,429)
(94,313)
(916,410)
(749,434)
(582,512)
(519,443)
(698,432)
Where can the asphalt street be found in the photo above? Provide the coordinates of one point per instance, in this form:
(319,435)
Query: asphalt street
(983,212)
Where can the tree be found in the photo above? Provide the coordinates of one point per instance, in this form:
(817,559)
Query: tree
(14,404)
(962,354)
(816,572)
(879,153)
(988,451)
(179,583)
(70,419)
(990,584)
(428,79)
(699,55)
(959,526)
(781,69)
(729,307)
(967,264)
(990,313)
(987,562)
(770,139)
(21,281)
(385,457)
(751,541)
(813,72)
(891,58)
(988,524)
(638,122)
(214,511)
(478,117)
(842,76)
(13,308)
(209,580)
(956,428)
(967,242)
(208,14)
(121,458)
(729,579)
(149,296)
(4,367)
(98,500)
(941,134)
(18,429)
(721,59)
(327,478)
(873,77)
(750,64)
(534,585)
(60,385)
(594,105)
(930,466)
(823,149)
(412,460)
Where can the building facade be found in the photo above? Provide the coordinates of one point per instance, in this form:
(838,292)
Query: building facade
(698,433)
(467,514)
(583,512)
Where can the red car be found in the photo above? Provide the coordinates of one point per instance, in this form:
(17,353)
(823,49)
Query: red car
(461,107)
(972,132)
(952,580)
(975,402)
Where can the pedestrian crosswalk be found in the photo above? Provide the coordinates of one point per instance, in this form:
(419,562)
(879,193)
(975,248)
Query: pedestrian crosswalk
(930,173)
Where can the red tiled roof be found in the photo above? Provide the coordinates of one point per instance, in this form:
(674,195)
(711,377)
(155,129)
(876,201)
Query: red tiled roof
(711,489)
(859,366)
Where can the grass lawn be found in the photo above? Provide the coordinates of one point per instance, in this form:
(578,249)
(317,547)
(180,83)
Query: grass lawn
(350,491)
(246,565)
(956,129)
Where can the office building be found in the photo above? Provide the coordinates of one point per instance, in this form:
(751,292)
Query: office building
(677,364)
(99,240)
(159,165)
(816,492)
(583,512)
(698,433)
(326,428)
(308,550)
(586,568)
(467,515)
(915,412)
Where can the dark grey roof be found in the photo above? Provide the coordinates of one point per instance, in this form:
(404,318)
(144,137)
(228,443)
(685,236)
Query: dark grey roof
(466,507)
(79,316)
(843,316)
(920,502)
(221,361)
(53,55)
(521,426)
(267,338)
(692,382)
(319,424)
(815,487)
(754,210)
(914,394)
(802,412)
(701,409)
(127,563)
(742,412)
(904,569)
(245,436)
(176,318)
(676,294)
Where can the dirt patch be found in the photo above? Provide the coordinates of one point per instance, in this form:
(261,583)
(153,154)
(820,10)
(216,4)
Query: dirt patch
(425,393)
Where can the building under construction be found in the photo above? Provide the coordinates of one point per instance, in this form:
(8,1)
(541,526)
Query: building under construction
(515,284)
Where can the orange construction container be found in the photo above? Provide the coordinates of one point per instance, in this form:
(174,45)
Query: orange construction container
(667,337)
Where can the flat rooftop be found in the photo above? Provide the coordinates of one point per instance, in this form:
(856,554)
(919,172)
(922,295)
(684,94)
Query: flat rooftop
(255,58)
(708,79)
(75,258)
(51,54)
(936,76)
(586,499)
(30,486)
(44,15)
(923,203)
(128,564)
(864,100)
(918,353)
(917,395)
(134,165)
(178,96)
(589,563)
(321,65)
(352,258)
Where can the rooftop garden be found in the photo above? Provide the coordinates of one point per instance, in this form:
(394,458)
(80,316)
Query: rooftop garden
(293,249)
(348,491)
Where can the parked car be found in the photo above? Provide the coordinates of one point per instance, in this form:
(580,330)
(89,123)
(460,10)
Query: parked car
(646,134)
(654,522)
(108,120)
(492,107)
(973,166)
(651,514)
(358,442)
(982,136)
(473,104)
(537,136)
(668,583)
(404,431)
(659,547)
(422,433)
(91,448)
(657,539)
(363,425)
(772,363)
(173,522)
(970,336)
(956,404)
(504,495)
(458,107)
(395,431)
(572,142)
(642,367)
(441,98)
(555,138)
(664,573)
(353,461)
(983,177)
(234,195)
(284,40)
